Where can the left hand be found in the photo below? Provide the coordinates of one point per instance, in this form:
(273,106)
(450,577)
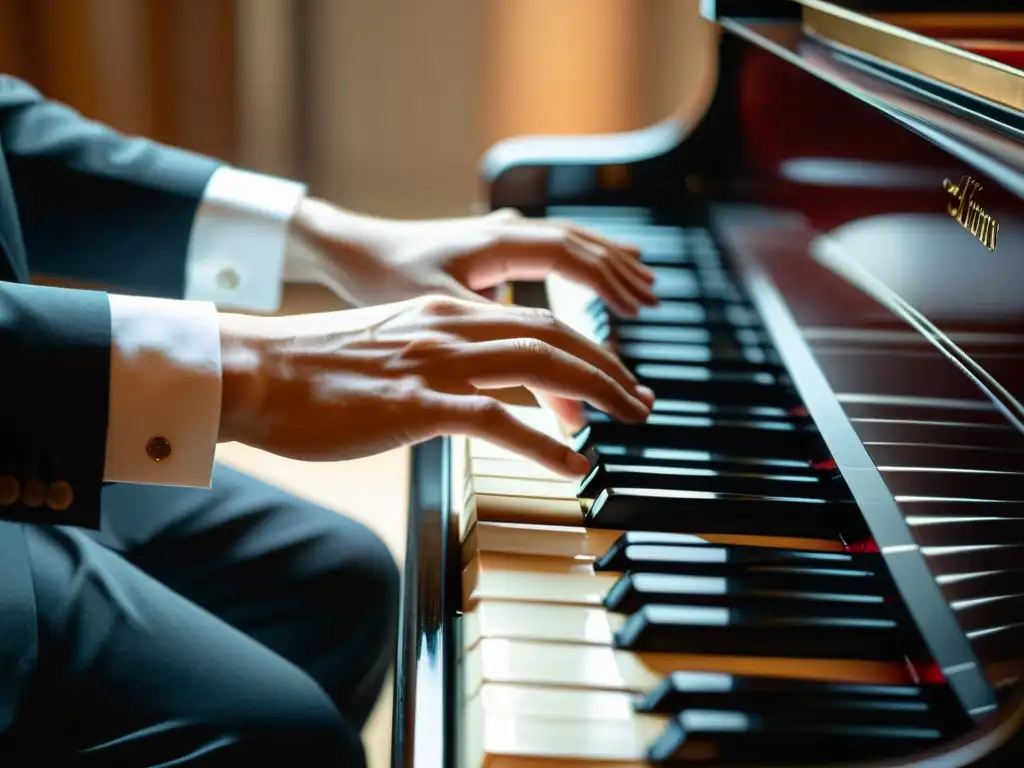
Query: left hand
(370,261)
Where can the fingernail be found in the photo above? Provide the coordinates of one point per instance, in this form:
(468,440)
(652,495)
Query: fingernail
(576,463)
(646,394)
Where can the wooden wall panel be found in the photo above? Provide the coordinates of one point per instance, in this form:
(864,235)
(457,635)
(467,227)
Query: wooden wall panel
(160,68)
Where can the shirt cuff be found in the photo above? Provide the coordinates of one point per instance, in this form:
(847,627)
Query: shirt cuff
(236,255)
(165,392)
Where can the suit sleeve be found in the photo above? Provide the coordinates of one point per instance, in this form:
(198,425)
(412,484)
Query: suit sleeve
(55,354)
(145,219)
(97,205)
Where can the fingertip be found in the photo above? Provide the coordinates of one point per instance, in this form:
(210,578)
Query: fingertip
(576,463)
(645,395)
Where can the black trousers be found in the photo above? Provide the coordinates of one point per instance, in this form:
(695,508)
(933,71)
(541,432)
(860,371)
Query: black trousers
(239,626)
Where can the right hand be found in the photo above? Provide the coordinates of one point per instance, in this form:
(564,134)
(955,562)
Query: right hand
(342,385)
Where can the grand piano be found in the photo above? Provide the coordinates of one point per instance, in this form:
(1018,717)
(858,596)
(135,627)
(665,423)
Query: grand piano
(813,551)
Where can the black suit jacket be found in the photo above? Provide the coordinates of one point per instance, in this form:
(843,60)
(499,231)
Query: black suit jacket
(77,200)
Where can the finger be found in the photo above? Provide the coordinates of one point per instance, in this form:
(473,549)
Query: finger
(539,365)
(569,412)
(636,267)
(505,322)
(626,256)
(626,269)
(595,237)
(572,257)
(525,251)
(484,417)
(600,275)
(604,271)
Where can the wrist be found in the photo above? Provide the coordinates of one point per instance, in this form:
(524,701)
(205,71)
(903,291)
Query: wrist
(324,240)
(242,382)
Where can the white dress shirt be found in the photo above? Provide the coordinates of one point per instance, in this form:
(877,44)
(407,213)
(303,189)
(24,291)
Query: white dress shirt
(165,367)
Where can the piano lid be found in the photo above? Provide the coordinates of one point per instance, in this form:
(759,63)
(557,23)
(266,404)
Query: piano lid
(972,52)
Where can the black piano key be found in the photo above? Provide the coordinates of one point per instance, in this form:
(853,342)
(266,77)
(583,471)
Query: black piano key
(728,412)
(691,283)
(680,375)
(740,358)
(697,259)
(734,412)
(706,312)
(737,737)
(615,475)
(623,331)
(662,334)
(754,631)
(653,552)
(635,590)
(639,454)
(704,512)
(770,439)
(903,705)
(694,382)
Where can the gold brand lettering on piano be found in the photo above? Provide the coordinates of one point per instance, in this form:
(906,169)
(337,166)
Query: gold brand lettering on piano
(965,209)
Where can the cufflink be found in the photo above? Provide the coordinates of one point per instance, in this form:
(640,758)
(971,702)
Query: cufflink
(158,448)
(59,495)
(10,490)
(228,279)
(33,493)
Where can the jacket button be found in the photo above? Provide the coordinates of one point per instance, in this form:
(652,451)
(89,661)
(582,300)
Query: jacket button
(158,448)
(10,490)
(33,494)
(59,495)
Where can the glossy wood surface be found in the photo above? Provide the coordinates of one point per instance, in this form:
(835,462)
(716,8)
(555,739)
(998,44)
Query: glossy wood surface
(827,185)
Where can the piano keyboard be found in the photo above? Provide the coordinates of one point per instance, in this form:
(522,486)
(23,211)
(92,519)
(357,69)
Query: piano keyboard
(699,597)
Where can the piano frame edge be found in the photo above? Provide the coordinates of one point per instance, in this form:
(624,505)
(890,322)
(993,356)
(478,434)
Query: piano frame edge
(422,731)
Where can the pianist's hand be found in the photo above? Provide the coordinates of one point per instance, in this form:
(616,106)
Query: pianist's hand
(341,385)
(370,261)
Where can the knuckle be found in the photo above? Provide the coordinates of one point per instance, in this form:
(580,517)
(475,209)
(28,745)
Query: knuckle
(507,214)
(545,318)
(489,412)
(535,348)
(441,306)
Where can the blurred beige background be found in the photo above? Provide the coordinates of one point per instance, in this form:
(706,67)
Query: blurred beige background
(385,106)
